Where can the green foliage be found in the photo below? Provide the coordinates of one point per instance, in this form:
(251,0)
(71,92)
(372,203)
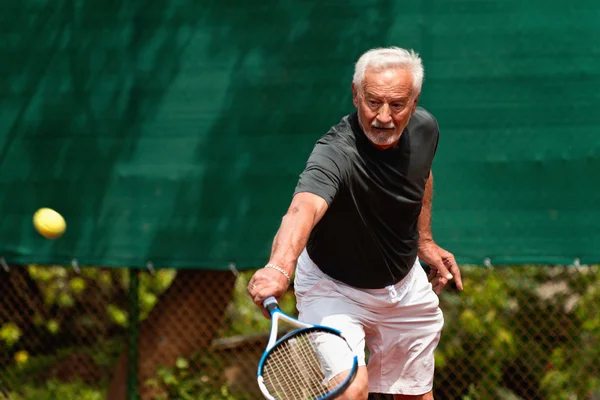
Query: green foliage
(530,331)
(478,328)
(25,375)
(182,382)
(243,317)
(197,378)
(573,368)
(62,287)
(53,390)
(10,333)
(117,315)
(537,327)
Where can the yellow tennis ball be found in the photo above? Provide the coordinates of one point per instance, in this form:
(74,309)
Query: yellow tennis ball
(49,223)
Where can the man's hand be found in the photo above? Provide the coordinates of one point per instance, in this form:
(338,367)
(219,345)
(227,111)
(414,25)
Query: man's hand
(442,264)
(267,282)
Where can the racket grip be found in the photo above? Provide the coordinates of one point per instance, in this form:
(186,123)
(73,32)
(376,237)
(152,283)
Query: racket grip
(270,304)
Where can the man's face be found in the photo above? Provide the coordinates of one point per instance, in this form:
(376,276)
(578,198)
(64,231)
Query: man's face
(385,103)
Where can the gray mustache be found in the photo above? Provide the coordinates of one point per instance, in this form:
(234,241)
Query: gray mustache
(377,124)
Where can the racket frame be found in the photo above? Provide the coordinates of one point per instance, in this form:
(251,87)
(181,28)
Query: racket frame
(276,314)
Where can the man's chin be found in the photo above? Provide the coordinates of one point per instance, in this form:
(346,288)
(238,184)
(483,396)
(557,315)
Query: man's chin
(382,139)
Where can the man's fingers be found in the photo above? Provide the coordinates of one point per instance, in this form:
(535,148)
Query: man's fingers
(252,291)
(266,313)
(258,300)
(255,294)
(443,271)
(440,287)
(458,280)
(438,284)
(457,277)
(453,266)
(432,274)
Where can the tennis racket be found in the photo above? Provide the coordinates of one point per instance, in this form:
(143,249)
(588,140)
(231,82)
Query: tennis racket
(313,362)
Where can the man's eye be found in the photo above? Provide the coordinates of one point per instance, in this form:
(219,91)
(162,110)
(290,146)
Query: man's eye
(373,103)
(397,106)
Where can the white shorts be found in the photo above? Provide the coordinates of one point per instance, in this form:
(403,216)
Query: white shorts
(400,325)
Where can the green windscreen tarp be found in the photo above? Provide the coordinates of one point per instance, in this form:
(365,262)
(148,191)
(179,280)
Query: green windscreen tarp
(173,132)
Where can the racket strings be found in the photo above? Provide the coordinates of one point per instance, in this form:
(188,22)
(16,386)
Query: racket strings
(294,369)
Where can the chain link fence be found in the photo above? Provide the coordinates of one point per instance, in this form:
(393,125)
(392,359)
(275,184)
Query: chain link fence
(526,332)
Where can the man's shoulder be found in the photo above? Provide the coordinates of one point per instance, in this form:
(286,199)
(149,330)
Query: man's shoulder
(343,128)
(340,135)
(423,119)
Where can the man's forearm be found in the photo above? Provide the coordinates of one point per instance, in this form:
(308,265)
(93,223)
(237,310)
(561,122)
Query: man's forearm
(424,223)
(291,238)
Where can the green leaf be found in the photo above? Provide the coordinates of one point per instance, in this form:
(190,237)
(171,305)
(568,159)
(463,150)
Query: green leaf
(10,333)
(53,326)
(117,315)
(78,285)
(65,300)
(181,363)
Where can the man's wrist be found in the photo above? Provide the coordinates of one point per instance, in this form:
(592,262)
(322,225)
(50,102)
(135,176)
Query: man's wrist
(281,270)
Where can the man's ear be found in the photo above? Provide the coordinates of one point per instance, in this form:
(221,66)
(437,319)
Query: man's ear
(354,95)
(414,105)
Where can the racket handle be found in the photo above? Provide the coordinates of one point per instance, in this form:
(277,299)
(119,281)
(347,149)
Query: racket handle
(270,304)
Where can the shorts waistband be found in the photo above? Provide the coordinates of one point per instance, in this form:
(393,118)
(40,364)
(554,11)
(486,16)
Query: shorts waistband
(398,286)
(304,257)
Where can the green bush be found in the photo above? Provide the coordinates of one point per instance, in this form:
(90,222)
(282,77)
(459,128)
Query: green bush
(61,330)
(518,332)
(196,379)
(511,331)
(53,390)
(243,317)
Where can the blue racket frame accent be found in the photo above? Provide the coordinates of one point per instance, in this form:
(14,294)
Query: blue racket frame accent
(273,309)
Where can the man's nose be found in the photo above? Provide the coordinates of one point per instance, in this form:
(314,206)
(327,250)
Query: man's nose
(384,116)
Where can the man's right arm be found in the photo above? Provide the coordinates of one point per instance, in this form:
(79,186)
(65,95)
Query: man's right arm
(317,187)
(303,214)
(305,211)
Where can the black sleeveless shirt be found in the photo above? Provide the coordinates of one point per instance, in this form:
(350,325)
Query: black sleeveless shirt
(368,238)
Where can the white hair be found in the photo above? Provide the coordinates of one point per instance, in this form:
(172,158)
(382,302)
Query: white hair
(381,59)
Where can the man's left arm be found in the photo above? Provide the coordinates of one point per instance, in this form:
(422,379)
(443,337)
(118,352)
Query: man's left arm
(442,263)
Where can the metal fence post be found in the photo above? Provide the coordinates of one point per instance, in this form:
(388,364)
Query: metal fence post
(133,335)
